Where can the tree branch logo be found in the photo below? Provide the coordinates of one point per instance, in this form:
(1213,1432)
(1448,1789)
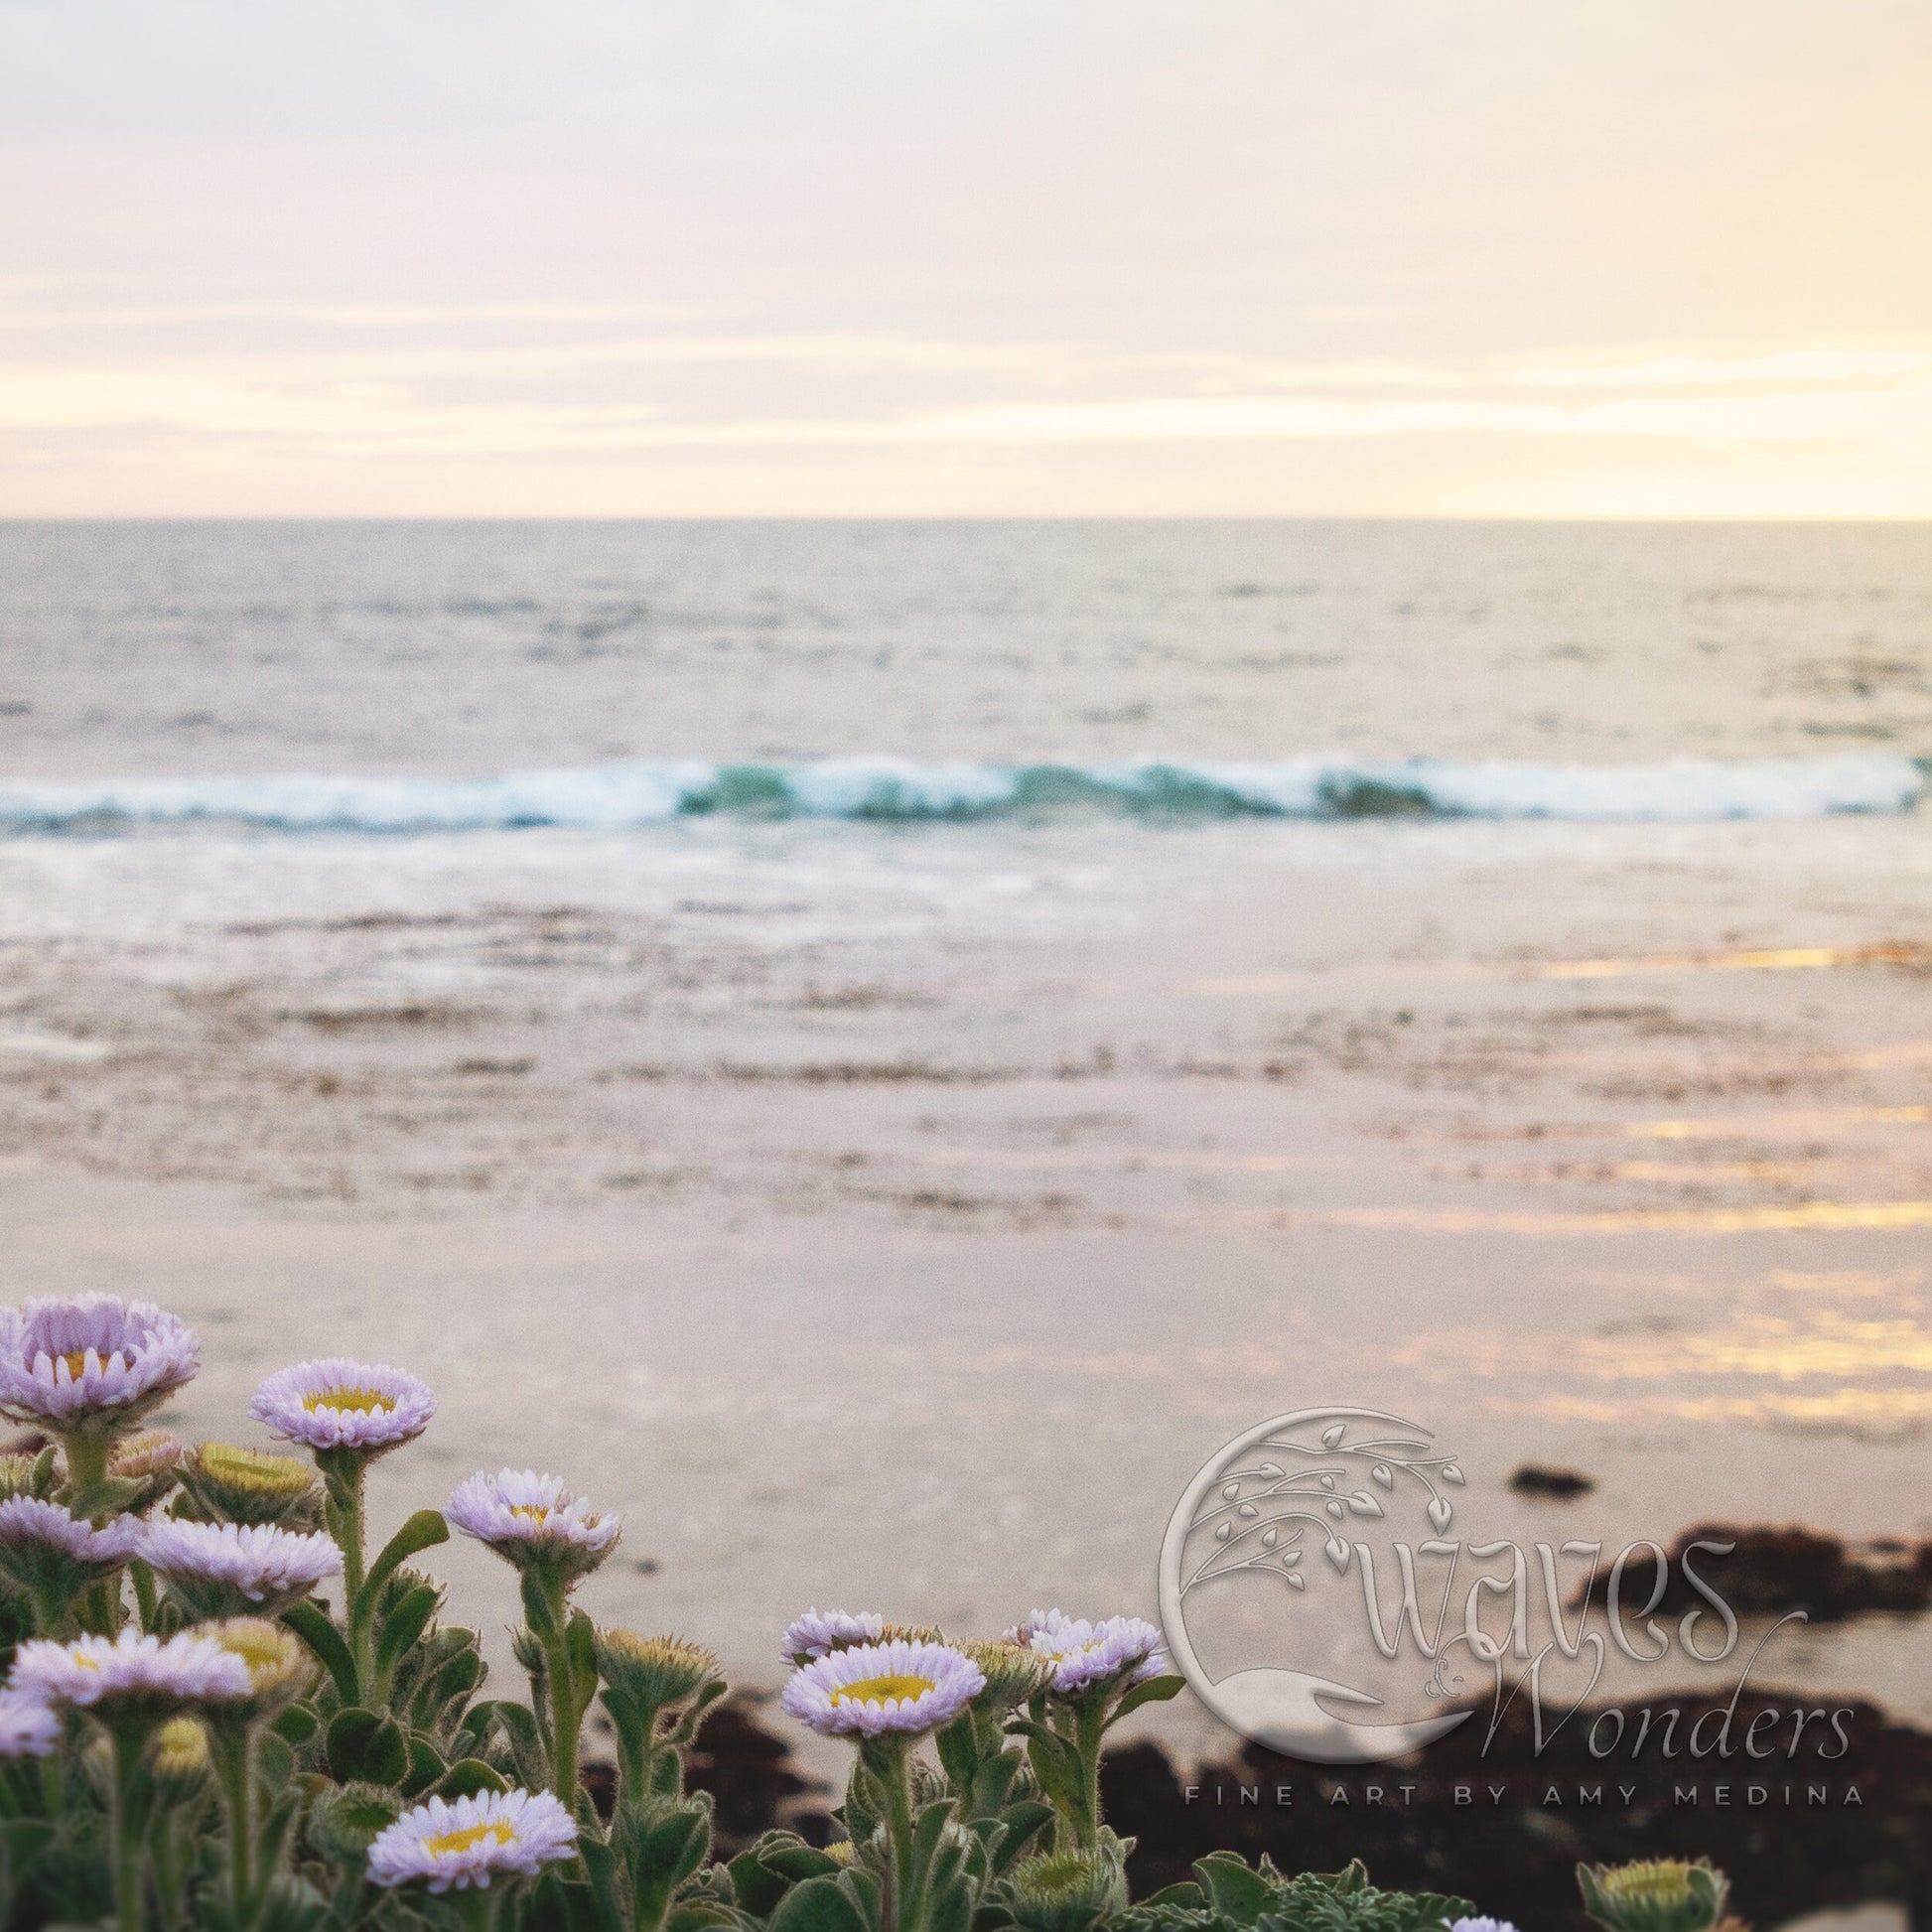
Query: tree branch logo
(1321,1552)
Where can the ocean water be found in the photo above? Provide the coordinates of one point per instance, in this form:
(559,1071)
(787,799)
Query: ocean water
(397,677)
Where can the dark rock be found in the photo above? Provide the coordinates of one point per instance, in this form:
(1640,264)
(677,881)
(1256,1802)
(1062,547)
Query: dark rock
(1773,1572)
(1534,1480)
(745,1770)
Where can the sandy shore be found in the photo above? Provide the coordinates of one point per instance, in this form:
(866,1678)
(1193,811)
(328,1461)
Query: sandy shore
(904,1219)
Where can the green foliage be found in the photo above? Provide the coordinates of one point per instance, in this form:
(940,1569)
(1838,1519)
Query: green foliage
(1231,1894)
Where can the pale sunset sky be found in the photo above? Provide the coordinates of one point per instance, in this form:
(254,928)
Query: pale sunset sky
(981,257)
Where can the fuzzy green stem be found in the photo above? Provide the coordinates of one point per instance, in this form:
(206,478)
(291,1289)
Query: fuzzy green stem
(344,1473)
(898,1811)
(234,1755)
(566,1714)
(145,1594)
(477,1907)
(1089,1728)
(640,1743)
(169,1875)
(86,1458)
(124,1829)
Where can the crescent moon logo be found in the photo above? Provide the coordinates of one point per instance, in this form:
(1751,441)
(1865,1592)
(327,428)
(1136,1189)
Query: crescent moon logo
(1250,1512)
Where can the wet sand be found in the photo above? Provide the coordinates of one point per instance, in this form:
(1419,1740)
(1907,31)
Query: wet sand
(901,1219)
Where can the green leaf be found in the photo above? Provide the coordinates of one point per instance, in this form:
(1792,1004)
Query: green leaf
(601,1867)
(868,1895)
(297,1724)
(951,1910)
(580,1640)
(1186,1896)
(426,1767)
(526,1743)
(403,1625)
(699,1915)
(927,1829)
(676,1846)
(274,1761)
(1056,1762)
(818,1905)
(109,1496)
(469,1775)
(365,1747)
(959,1754)
(423,1531)
(757,1887)
(787,1854)
(1233,1891)
(310,1624)
(1157,1689)
(1023,1823)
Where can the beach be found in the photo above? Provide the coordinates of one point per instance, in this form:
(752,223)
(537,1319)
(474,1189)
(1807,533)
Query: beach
(899,1206)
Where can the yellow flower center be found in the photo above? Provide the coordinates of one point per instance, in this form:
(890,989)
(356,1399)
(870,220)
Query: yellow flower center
(879,1690)
(76,1361)
(451,1842)
(364,1402)
(267,1654)
(265,1474)
(537,1513)
(180,1748)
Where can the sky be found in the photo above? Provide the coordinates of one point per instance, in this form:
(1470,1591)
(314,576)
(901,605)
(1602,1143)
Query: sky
(966,257)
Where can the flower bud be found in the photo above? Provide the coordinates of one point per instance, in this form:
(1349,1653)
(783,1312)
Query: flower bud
(228,1484)
(1656,1895)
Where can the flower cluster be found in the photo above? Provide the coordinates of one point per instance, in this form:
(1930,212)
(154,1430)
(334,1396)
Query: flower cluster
(250,1708)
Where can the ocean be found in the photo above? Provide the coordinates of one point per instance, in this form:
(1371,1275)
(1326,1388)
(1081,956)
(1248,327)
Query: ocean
(876,1047)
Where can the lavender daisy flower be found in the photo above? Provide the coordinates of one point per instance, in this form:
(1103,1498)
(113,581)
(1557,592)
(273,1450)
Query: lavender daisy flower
(820,1632)
(220,1569)
(491,1834)
(872,1689)
(1482,1925)
(129,1671)
(53,1556)
(27,1726)
(1124,1650)
(93,1360)
(533,1521)
(335,1403)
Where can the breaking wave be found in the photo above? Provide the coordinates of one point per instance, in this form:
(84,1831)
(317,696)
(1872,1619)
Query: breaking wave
(652,792)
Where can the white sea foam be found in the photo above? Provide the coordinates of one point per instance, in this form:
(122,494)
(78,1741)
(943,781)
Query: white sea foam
(638,794)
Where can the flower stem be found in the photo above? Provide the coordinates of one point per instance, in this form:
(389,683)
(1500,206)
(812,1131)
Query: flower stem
(86,1458)
(477,1907)
(125,1835)
(566,1714)
(1090,1727)
(343,1472)
(898,1802)
(233,1751)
